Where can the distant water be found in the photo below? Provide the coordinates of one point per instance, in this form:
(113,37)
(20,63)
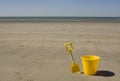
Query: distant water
(37,19)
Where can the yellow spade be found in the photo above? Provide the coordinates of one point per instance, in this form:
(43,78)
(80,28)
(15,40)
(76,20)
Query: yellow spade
(74,67)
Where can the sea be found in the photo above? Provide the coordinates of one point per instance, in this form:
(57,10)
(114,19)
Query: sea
(73,19)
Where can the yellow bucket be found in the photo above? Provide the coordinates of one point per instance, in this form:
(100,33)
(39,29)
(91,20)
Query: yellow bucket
(90,64)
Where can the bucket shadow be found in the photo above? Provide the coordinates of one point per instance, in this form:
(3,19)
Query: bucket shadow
(105,73)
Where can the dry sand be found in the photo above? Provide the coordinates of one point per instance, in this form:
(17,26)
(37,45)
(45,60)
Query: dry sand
(33,51)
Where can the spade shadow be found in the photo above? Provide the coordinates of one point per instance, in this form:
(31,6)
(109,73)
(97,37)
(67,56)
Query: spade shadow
(105,73)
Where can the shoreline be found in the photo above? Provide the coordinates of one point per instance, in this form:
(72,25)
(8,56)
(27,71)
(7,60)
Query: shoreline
(66,21)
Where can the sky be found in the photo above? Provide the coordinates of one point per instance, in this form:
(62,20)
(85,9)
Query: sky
(78,8)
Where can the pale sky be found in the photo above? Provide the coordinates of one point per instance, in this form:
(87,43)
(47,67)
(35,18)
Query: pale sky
(81,8)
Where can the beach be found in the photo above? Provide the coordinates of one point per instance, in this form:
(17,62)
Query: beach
(34,51)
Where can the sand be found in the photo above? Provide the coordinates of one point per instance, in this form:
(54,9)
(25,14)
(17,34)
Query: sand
(33,51)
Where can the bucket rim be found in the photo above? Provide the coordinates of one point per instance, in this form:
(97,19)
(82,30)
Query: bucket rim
(96,57)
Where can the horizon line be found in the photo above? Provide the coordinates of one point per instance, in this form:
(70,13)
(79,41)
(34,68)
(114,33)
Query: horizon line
(60,16)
